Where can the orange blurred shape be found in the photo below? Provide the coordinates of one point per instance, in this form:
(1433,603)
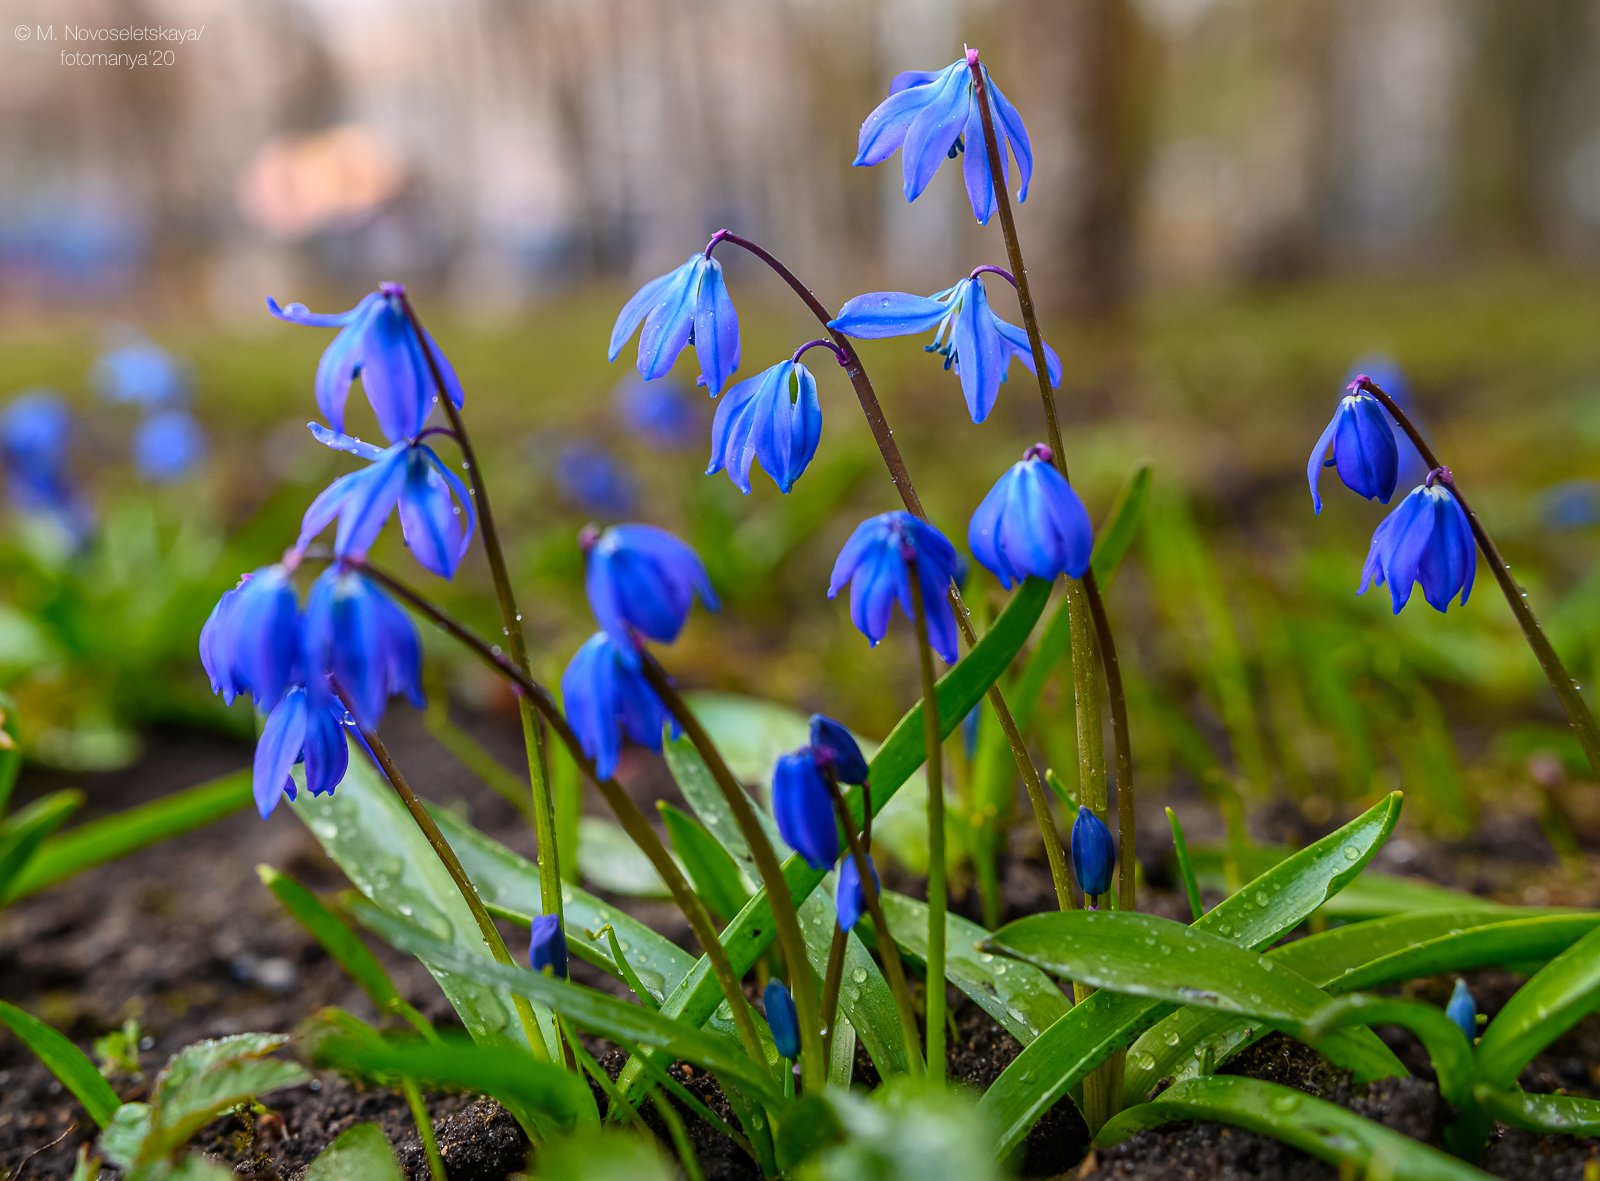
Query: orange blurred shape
(298,185)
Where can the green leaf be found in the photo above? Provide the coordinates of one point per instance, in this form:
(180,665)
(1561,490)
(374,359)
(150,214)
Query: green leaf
(125,1135)
(208,1078)
(1145,955)
(1564,1115)
(1448,1048)
(1561,994)
(609,860)
(602,1155)
(1266,909)
(23,833)
(68,1063)
(361,1153)
(116,836)
(905,1131)
(1325,1130)
(713,871)
(1374,895)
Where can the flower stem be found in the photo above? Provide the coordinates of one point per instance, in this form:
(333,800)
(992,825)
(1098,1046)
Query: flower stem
(544,814)
(785,918)
(1091,610)
(1566,689)
(936,870)
(419,1114)
(832,981)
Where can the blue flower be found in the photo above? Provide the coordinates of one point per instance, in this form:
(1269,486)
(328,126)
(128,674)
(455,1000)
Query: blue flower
(834,746)
(252,642)
(689,305)
(974,341)
(361,638)
(547,946)
(930,117)
(782,1019)
(1426,540)
(378,344)
(436,515)
(1032,524)
(592,480)
(641,582)
(773,418)
(167,445)
(658,412)
(35,453)
(1463,1010)
(1385,372)
(308,725)
(876,562)
(849,900)
(1094,852)
(142,373)
(606,698)
(1361,437)
(803,807)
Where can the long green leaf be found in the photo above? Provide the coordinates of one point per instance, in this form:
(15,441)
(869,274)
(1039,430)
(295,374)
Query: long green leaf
(68,1063)
(361,1153)
(714,873)
(1561,994)
(1266,909)
(1374,895)
(1325,1130)
(1564,1115)
(23,833)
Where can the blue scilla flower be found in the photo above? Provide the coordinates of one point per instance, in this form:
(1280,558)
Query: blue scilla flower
(591,479)
(1463,1010)
(782,1019)
(689,305)
(360,637)
(658,412)
(167,446)
(849,900)
(607,698)
(547,946)
(1032,524)
(835,747)
(930,117)
(36,457)
(975,342)
(252,644)
(1361,439)
(803,807)
(140,372)
(876,562)
(1385,372)
(1094,852)
(307,725)
(641,582)
(1426,540)
(773,418)
(378,344)
(436,516)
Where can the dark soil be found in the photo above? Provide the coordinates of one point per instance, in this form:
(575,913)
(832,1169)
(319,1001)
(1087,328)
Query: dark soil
(184,939)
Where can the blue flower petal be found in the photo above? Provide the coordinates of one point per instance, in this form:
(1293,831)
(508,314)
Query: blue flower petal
(935,129)
(716,329)
(880,314)
(282,739)
(436,515)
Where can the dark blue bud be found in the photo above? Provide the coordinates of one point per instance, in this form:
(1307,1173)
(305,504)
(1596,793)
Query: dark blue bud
(1361,437)
(804,809)
(851,902)
(782,1019)
(1463,1010)
(548,946)
(1094,852)
(835,747)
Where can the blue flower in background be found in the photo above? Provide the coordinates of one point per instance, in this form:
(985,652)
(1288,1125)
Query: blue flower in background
(641,582)
(606,699)
(930,117)
(1426,540)
(782,1019)
(978,344)
(140,372)
(1094,852)
(547,946)
(876,561)
(1386,373)
(659,412)
(1032,524)
(1463,1010)
(436,516)
(849,901)
(592,480)
(167,446)
(689,305)
(307,726)
(252,642)
(1571,504)
(835,747)
(803,807)
(773,418)
(1362,439)
(360,637)
(35,453)
(378,344)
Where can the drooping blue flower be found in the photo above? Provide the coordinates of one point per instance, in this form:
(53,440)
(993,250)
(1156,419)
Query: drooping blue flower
(1425,540)
(252,643)
(307,725)
(436,516)
(547,947)
(975,342)
(1385,372)
(689,305)
(1094,852)
(378,344)
(167,446)
(803,807)
(591,479)
(641,582)
(834,746)
(606,699)
(36,456)
(877,561)
(849,901)
(140,372)
(1032,524)
(659,412)
(1463,1010)
(930,117)
(774,418)
(1361,437)
(360,637)
(782,1019)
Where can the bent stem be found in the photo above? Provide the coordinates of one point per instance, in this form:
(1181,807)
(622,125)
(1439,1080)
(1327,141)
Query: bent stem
(544,812)
(1566,689)
(936,876)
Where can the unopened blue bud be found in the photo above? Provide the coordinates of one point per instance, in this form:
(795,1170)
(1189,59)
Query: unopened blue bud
(1463,1010)
(782,1019)
(804,809)
(548,946)
(1094,853)
(851,902)
(836,747)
